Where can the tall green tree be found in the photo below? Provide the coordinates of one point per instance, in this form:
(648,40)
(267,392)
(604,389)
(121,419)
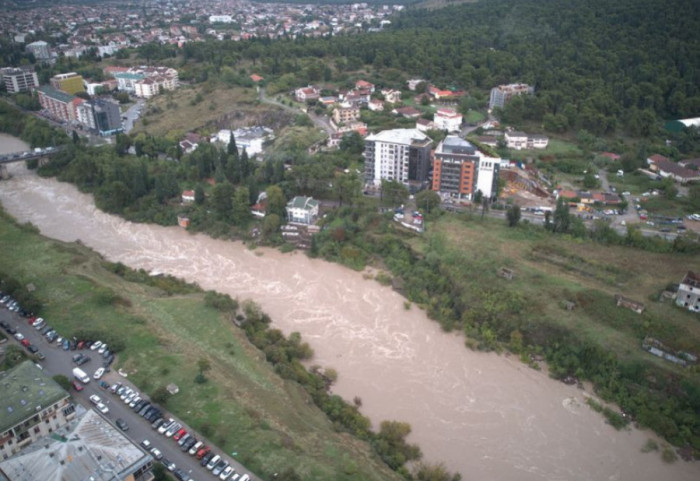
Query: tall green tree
(562,219)
(513,215)
(276,202)
(222,200)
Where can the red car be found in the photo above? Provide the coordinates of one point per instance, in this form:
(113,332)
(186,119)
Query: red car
(179,434)
(25,342)
(203,452)
(77,386)
(31,320)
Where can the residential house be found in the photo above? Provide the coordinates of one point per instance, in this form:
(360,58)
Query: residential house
(33,405)
(488,140)
(413,83)
(520,140)
(190,142)
(187,196)
(364,85)
(346,113)
(689,292)
(503,93)
(438,94)
(306,94)
(666,168)
(424,124)
(402,155)
(302,210)
(376,105)
(447,119)
(407,112)
(391,96)
(252,139)
(692,164)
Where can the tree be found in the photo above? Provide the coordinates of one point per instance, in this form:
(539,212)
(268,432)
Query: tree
(428,200)
(485,204)
(276,201)
(394,192)
(113,197)
(694,197)
(352,143)
(347,188)
(669,188)
(271,224)
(241,206)
(513,215)
(199,196)
(166,186)
(62,381)
(435,472)
(76,138)
(160,395)
(589,180)
(222,199)
(232,148)
(203,365)
(562,218)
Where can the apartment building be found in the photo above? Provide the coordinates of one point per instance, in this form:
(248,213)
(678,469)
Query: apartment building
(447,119)
(460,169)
(40,50)
(58,104)
(346,113)
(33,405)
(146,82)
(402,155)
(18,80)
(689,292)
(70,83)
(503,93)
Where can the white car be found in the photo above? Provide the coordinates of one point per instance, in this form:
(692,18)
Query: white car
(102,408)
(95,345)
(98,374)
(165,426)
(38,321)
(226,473)
(102,349)
(193,450)
(19,336)
(95,399)
(156,454)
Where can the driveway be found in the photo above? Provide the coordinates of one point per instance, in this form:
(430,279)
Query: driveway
(59,361)
(132,115)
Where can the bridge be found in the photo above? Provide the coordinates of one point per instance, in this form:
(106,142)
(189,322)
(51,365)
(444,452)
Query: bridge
(29,155)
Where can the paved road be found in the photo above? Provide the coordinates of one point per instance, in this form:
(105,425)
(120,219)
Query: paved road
(132,114)
(59,361)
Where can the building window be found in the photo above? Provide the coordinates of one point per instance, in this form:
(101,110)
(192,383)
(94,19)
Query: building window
(37,430)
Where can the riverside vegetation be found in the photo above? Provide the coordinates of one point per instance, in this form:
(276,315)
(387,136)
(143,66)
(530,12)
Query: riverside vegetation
(226,392)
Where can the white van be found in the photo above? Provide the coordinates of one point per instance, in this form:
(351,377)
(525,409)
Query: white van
(80,375)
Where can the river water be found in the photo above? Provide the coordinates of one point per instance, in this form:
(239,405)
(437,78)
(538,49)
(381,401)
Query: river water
(487,416)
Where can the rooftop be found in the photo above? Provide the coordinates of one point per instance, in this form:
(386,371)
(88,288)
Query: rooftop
(301,202)
(26,390)
(87,448)
(56,94)
(455,145)
(400,136)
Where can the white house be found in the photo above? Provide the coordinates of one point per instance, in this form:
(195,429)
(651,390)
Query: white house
(302,210)
(516,140)
(447,119)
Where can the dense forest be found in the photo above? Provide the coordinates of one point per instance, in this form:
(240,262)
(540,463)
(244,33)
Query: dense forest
(600,66)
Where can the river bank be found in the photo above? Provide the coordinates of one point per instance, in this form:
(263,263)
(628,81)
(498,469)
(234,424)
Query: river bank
(484,415)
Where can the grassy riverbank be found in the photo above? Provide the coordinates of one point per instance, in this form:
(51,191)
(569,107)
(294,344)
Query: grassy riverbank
(244,407)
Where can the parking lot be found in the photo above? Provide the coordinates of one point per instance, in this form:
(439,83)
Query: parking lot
(57,360)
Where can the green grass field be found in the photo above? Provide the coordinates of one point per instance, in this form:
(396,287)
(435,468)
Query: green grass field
(551,270)
(244,407)
(555,147)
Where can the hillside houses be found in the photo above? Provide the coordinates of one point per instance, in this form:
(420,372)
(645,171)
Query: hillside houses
(666,168)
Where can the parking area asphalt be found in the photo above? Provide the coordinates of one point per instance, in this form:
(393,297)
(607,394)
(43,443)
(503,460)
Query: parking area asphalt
(59,361)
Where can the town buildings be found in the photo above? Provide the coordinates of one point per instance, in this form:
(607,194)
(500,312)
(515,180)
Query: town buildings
(18,80)
(71,83)
(302,210)
(667,168)
(88,448)
(688,295)
(460,169)
(40,50)
(503,93)
(346,113)
(101,115)
(402,155)
(145,82)
(250,139)
(32,405)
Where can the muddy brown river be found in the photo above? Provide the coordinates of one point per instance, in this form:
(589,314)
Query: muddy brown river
(485,415)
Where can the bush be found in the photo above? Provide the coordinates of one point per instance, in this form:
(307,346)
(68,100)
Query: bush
(62,381)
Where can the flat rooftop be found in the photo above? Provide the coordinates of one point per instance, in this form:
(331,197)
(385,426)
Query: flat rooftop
(26,390)
(87,448)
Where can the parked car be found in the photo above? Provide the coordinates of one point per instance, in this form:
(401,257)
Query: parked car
(146,444)
(169,465)
(115,387)
(40,355)
(165,426)
(102,349)
(77,386)
(25,342)
(206,458)
(19,336)
(96,345)
(104,384)
(182,432)
(95,399)
(121,424)
(98,374)
(157,423)
(157,455)
(83,360)
(195,447)
(202,452)
(66,344)
(220,466)
(213,462)
(32,348)
(226,473)
(102,408)
(172,430)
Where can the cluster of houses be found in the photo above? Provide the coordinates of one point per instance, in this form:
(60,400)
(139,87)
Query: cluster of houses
(682,172)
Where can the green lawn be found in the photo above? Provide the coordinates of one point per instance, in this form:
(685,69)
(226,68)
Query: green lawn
(244,407)
(555,147)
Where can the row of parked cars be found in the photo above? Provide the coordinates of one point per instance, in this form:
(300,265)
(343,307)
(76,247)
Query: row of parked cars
(194,447)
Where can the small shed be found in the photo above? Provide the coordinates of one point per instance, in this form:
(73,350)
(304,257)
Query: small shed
(506,273)
(172,388)
(631,304)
